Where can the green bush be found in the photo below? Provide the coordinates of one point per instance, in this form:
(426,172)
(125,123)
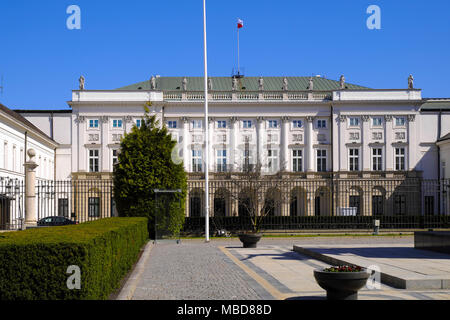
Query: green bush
(34,262)
(146,162)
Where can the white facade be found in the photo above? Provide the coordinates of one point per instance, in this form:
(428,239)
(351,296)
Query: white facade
(58,126)
(17,136)
(349,130)
(343,131)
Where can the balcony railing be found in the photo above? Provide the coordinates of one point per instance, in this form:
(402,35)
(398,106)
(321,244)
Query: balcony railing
(248,96)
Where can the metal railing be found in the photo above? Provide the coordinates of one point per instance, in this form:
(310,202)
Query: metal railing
(78,200)
(12,204)
(289,203)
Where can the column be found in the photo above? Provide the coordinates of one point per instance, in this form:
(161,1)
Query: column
(260,140)
(30,191)
(388,138)
(309,144)
(412,142)
(212,156)
(365,150)
(105,152)
(186,155)
(335,147)
(75,146)
(284,150)
(342,147)
(234,121)
(82,154)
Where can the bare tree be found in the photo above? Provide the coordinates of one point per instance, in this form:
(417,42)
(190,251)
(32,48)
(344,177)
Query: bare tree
(259,194)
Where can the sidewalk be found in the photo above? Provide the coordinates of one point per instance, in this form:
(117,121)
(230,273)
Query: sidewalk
(223,270)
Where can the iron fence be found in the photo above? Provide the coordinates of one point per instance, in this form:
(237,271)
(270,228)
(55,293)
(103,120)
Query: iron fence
(12,204)
(286,203)
(298,204)
(78,200)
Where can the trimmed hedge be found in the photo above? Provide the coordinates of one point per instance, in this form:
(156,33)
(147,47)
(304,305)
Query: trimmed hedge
(33,263)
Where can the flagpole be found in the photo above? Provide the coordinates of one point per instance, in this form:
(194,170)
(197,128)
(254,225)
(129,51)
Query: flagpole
(206,128)
(238,50)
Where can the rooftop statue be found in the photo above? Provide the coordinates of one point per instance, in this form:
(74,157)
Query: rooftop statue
(184,83)
(235,84)
(261,84)
(153,83)
(285,84)
(210,85)
(311,84)
(342,82)
(410,82)
(81,80)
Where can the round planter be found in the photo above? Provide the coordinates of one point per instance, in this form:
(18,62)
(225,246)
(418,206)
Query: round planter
(341,285)
(249,240)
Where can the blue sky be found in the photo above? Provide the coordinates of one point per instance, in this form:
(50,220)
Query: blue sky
(123,42)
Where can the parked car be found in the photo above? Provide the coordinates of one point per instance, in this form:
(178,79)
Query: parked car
(55,221)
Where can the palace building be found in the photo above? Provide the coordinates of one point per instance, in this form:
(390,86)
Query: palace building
(325,147)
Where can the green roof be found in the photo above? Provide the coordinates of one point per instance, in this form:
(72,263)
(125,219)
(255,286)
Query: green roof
(436,105)
(246,83)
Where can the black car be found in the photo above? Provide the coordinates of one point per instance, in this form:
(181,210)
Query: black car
(55,221)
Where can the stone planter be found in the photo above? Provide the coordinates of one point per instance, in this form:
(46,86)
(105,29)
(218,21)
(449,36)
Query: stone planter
(249,240)
(341,285)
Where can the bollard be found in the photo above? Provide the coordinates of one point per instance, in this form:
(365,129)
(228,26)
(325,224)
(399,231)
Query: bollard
(376,226)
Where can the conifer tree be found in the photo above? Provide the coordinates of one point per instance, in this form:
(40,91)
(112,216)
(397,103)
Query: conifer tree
(145,163)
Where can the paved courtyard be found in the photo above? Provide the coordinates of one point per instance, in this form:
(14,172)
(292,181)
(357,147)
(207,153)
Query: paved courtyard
(223,270)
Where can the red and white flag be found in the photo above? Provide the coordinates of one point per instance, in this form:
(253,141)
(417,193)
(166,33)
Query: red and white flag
(240,23)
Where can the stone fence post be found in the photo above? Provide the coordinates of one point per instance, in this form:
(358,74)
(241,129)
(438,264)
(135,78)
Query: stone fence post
(30,190)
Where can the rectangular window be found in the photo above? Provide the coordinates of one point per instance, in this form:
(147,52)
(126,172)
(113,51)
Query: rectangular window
(94,207)
(138,123)
(247,163)
(93,160)
(400,121)
(297,124)
(272,157)
(377,159)
(354,122)
(355,202)
(377,122)
(321,160)
(196,160)
(93,123)
(400,159)
(297,162)
(172,124)
(221,160)
(115,157)
(196,124)
(246,124)
(321,124)
(273,124)
(221,124)
(400,204)
(353,156)
(5,155)
(117,123)
(63,207)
